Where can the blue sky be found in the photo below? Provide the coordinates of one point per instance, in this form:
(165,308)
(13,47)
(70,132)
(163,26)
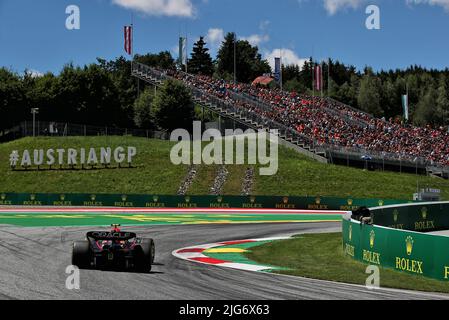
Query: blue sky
(33,34)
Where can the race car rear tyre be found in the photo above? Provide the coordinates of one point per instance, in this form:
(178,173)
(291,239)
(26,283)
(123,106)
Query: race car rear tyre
(146,257)
(81,254)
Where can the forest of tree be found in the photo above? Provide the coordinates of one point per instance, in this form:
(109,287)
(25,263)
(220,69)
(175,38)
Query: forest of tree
(379,93)
(104,93)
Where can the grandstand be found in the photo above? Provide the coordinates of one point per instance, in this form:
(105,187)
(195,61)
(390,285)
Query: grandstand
(321,128)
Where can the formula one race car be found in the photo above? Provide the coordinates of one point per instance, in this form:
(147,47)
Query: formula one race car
(114,250)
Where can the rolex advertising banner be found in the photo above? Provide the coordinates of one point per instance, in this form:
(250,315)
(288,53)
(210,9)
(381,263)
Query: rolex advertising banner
(415,253)
(421,218)
(163,201)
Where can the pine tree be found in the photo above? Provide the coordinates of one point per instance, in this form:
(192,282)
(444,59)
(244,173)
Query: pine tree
(442,101)
(248,60)
(225,56)
(425,110)
(201,61)
(369,94)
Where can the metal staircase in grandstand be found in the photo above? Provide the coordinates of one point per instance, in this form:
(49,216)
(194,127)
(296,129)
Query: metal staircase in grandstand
(288,136)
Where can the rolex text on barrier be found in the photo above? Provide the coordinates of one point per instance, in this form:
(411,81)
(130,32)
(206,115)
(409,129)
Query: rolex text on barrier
(401,244)
(170,201)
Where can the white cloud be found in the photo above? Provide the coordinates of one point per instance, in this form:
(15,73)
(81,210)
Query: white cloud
(289,57)
(214,37)
(34,73)
(179,8)
(442,3)
(256,39)
(264,25)
(333,6)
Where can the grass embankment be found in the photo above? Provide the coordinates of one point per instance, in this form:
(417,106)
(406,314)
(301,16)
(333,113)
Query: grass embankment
(297,175)
(300,176)
(153,172)
(320,256)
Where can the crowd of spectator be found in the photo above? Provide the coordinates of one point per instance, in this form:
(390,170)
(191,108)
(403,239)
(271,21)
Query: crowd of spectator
(329,123)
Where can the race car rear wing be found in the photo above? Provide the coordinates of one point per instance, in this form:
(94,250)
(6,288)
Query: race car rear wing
(108,235)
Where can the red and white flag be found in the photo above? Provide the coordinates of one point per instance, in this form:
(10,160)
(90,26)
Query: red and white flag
(318,76)
(128,39)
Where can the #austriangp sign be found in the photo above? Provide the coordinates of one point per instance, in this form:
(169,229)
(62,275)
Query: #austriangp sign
(72,158)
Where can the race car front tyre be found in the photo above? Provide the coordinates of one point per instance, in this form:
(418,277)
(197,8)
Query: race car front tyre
(81,254)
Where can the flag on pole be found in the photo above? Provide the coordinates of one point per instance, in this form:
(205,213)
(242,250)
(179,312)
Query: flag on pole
(277,69)
(318,76)
(128,39)
(182,51)
(405,106)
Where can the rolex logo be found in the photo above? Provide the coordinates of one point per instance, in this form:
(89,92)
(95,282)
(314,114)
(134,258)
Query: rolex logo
(252,199)
(285,200)
(62,197)
(372,238)
(124,198)
(381,203)
(395,215)
(3,196)
(93,197)
(219,199)
(409,245)
(424,213)
(350,202)
(350,232)
(155,199)
(318,200)
(33,197)
(187,199)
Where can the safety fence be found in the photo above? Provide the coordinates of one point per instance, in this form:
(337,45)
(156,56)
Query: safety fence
(168,201)
(63,129)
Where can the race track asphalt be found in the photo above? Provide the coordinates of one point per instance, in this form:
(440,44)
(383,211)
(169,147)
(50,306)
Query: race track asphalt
(33,263)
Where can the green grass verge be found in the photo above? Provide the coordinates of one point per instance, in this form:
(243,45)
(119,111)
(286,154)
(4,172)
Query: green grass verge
(301,176)
(297,175)
(320,256)
(154,174)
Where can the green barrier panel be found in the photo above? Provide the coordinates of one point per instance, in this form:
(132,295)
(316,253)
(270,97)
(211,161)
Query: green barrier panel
(406,251)
(164,201)
(424,217)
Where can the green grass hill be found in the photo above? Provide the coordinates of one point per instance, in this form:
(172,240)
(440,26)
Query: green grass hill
(155,174)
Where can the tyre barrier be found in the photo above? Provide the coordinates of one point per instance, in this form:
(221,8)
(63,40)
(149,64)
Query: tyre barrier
(394,237)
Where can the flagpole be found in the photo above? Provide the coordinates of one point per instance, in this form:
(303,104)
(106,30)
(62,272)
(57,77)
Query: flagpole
(282,85)
(322,79)
(408,111)
(235,58)
(313,77)
(132,36)
(328,76)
